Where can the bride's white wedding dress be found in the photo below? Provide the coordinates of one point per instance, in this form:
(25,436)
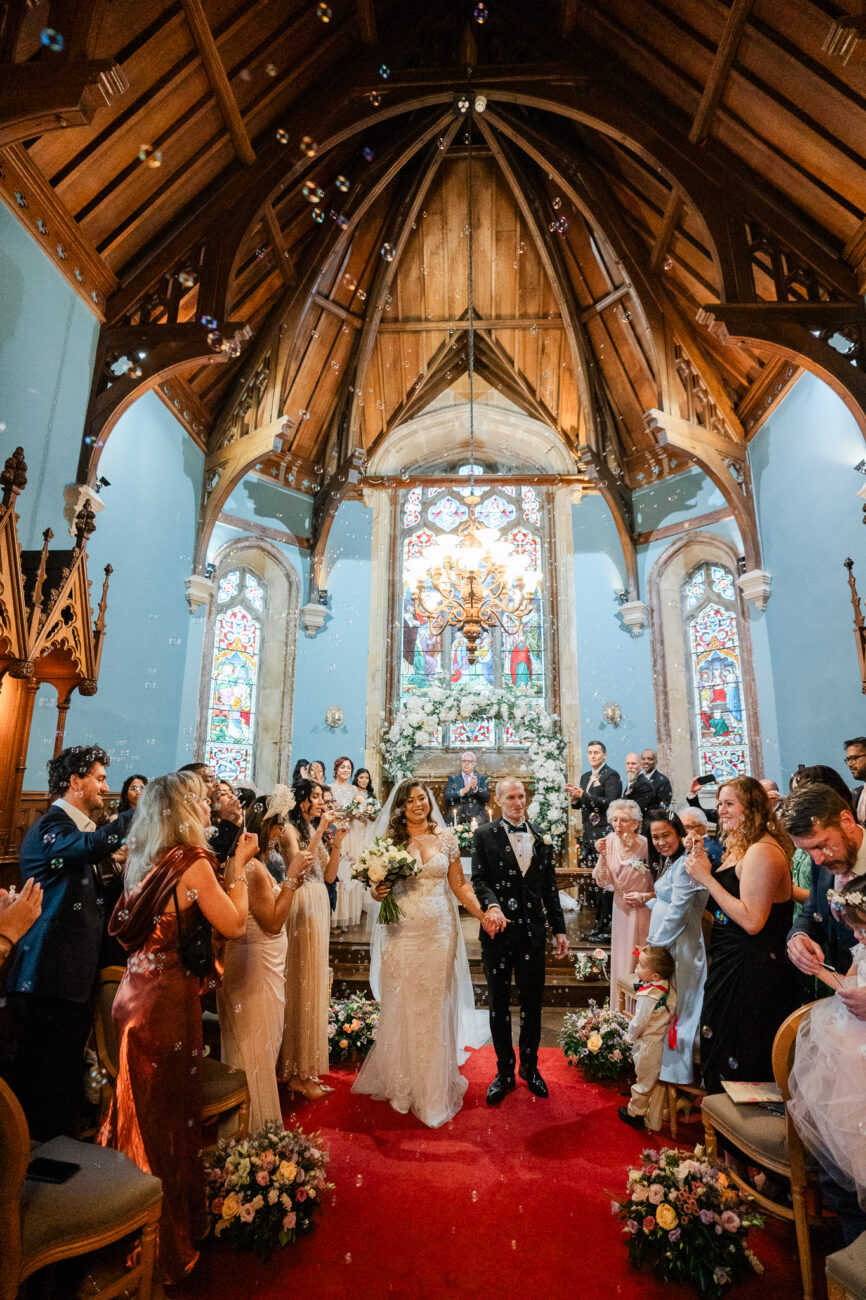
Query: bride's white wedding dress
(414,1064)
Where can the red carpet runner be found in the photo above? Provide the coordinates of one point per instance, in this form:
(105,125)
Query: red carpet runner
(498,1203)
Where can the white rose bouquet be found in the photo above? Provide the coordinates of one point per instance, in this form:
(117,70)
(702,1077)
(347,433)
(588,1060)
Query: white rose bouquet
(383,862)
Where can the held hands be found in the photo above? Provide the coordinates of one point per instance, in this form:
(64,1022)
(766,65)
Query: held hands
(493,921)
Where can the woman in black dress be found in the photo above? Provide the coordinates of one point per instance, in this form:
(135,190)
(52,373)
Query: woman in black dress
(751,986)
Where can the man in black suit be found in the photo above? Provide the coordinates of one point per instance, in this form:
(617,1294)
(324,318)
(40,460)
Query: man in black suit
(660,783)
(598,788)
(819,821)
(514,881)
(638,787)
(467,791)
(855,757)
(51,975)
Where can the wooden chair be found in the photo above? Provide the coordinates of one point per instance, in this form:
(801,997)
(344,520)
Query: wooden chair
(846,1272)
(626,1004)
(224,1088)
(40,1223)
(772,1142)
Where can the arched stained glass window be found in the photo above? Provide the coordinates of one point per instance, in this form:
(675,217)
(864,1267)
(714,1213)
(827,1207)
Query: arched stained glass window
(231,721)
(715,661)
(511,659)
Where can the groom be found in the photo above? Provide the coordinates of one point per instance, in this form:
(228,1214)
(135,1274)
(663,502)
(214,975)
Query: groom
(512,875)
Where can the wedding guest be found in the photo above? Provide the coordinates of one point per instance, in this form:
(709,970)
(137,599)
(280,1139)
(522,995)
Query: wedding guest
(130,792)
(821,774)
(622,869)
(304,1052)
(53,967)
(350,893)
(676,912)
(226,815)
(317,772)
(467,792)
(693,800)
(18,911)
(660,783)
(329,804)
(251,1000)
(855,758)
(364,783)
(598,786)
(696,822)
(637,786)
(301,771)
(655,1004)
(171,900)
(750,988)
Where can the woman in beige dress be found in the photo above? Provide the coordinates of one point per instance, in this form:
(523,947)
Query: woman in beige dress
(252,1000)
(304,1053)
(350,893)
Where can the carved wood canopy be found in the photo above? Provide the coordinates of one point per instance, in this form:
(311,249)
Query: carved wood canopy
(266,210)
(46,628)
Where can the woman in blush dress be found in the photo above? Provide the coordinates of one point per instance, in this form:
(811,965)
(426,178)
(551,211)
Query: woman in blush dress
(171,892)
(676,916)
(414,1064)
(304,1051)
(350,893)
(252,999)
(750,986)
(622,868)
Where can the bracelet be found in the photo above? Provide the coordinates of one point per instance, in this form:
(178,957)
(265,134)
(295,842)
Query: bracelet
(291,882)
(240,881)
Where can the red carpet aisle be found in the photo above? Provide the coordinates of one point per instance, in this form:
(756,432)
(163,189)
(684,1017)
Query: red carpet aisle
(495,1203)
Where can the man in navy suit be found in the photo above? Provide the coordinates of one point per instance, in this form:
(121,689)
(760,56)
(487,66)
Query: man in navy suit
(659,782)
(855,757)
(51,975)
(466,791)
(514,881)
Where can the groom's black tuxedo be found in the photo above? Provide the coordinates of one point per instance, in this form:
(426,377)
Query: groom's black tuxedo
(529,903)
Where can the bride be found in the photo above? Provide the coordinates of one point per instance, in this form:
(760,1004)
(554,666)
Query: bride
(427,1008)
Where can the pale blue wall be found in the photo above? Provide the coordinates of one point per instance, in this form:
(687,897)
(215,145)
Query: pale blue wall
(810,519)
(140,713)
(332,666)
(47,345)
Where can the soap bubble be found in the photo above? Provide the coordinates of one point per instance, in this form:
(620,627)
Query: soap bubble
(561,226)
(389,252)
(215,340)
(312,192)
(557,203)
(318,216)
(367,153)
(270,70)
(384,71)
(342,184)
(283,136)
(480,13)
(375,98)
(186,279)
(323,13)
(209,322)
(51,39)
(149,156)
(308,146)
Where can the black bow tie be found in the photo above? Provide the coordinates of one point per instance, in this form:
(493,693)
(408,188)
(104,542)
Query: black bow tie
(516,830)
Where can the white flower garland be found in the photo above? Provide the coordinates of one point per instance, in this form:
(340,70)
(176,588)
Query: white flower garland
(419,716)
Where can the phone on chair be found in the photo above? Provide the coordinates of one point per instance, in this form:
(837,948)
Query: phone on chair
(44,1170)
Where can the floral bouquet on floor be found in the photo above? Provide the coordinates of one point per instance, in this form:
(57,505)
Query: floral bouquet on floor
(684,1218)
(465,832)
(352,1027)
(382,862)
(263,1190)
(591,965)
(595,1039)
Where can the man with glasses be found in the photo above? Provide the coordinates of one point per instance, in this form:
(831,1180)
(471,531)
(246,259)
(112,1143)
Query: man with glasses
(855,757)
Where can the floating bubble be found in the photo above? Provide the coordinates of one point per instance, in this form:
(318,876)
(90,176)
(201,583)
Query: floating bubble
(384,71)
(323,13)
(349,282)
(706,1032)
(442,142)
(318,216)
(389,252)
(209,322)
(733,1063)
(215,341)
(283,136)
(342,184)
(557,203)
(149,156)
(341,220)
(186,279)
(668,263)
(260,252)
(367,153)
(463,104)
(134,372)
(308,146)
(480,13)
(270,70)
(312,192)
(561,226)
(375,98)
(305,415)
(51,39)
(233,348)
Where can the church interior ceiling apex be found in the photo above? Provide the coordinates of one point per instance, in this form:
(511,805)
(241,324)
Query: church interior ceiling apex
(266,205)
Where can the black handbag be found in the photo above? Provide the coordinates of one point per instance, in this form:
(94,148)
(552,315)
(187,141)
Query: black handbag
(194,942)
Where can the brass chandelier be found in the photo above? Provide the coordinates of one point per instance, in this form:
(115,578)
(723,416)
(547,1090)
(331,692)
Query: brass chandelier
(476,577)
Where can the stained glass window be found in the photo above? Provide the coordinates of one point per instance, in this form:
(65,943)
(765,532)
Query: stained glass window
(718,692)
(513,657)
(231,724)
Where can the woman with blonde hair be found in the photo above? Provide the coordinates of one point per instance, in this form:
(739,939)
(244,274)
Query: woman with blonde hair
(750,986)
(251,1001)
(171,901)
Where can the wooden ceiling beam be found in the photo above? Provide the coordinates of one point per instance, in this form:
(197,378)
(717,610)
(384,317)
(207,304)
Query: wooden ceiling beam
(366,12)
(218,78)
(285,263)
(39,97)
(483,325)
(327,304)
(726,52)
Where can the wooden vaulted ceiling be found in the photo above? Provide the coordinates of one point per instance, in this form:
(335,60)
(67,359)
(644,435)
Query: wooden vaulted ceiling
(590,259)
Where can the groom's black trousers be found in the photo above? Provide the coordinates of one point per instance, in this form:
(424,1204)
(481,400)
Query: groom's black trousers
(528,965)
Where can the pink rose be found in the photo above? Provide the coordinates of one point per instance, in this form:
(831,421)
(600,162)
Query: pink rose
(289,1221)
(300,1194)
(730,1221)
(217,1205)
(263,1178)
(656,1194)
(649,1223)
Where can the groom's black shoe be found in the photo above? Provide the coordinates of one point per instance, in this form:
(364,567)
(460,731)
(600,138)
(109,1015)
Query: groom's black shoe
(499,1089)
(534,1081)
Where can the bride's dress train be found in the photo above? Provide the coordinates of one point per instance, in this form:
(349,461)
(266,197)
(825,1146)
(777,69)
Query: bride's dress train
(414,1064)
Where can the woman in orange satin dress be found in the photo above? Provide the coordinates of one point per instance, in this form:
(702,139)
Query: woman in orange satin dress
(170,889)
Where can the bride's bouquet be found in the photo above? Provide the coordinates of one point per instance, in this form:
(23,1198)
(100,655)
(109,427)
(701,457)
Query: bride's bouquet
(383,862)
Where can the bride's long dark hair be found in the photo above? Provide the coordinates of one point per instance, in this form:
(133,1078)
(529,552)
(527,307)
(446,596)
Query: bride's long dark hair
(398,831)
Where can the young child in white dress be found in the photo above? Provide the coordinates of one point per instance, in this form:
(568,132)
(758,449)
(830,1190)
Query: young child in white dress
(648,1029)
(828,1096)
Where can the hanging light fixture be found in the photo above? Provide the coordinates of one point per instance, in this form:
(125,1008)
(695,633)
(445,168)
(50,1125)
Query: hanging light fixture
(471,580)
